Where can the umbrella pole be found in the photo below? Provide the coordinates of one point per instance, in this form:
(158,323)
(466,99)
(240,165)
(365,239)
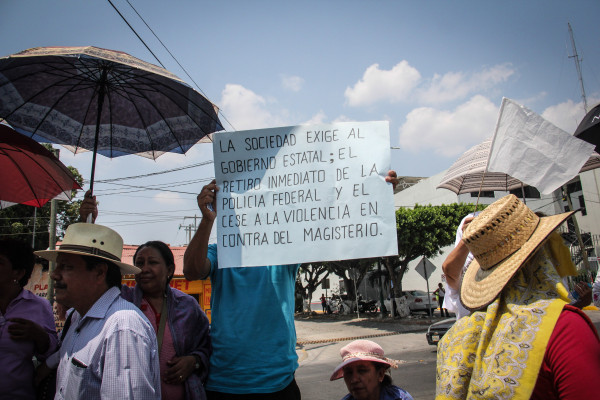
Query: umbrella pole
(101,92)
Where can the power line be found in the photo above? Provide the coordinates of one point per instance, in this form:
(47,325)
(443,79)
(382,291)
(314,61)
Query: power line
(156,173)
(136,34)
(172,56)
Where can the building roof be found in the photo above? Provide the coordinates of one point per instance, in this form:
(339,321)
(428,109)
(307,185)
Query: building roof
(178,251)
(129,251)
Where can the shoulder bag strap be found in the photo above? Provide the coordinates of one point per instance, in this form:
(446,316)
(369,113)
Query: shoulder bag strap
(161,325)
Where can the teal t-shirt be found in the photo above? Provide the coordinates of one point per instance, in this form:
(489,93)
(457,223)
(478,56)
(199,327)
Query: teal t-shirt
(252,328)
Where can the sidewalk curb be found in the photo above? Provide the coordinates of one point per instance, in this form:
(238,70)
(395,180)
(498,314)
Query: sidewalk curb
(316,341)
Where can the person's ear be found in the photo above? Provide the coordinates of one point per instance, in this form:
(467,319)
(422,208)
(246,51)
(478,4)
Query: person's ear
(102,271)
(17,274)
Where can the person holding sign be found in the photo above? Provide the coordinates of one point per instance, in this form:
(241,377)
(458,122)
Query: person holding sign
(252,330)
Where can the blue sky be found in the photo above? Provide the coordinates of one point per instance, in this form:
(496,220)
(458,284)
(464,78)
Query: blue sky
(436,70)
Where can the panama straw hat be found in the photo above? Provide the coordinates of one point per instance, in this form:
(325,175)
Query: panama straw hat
(361,350)
(92,240)
(502,238)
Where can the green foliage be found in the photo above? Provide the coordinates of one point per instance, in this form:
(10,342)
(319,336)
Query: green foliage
(19,220)
(424,231)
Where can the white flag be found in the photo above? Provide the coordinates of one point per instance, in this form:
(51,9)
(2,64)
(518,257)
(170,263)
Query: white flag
(538,153)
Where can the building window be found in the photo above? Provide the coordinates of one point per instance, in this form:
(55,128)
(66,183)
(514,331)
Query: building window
(483,194)
(530,192)
(582,205)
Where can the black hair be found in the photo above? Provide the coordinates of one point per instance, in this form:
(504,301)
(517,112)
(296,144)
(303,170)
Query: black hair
(113,272)
(164,251)
(387,379)
(20,254)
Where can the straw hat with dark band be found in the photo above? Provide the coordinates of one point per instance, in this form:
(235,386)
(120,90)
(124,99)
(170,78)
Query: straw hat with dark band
(501,239)
(92,240)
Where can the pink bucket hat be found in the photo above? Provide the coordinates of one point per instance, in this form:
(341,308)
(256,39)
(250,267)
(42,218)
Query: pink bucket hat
(361,350)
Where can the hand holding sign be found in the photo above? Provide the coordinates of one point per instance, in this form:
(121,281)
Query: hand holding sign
(207,201)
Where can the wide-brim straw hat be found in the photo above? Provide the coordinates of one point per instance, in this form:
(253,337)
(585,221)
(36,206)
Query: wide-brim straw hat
(361,350)
(92,240)
(502,238)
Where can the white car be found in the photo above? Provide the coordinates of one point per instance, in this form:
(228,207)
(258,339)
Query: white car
(418,300)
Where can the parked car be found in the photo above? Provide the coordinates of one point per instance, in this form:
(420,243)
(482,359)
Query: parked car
(436,331)
(419,300)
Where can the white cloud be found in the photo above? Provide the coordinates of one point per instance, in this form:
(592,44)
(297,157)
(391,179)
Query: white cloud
(318,118)
(170,198)
(245,109)
(376,84)
(457,85)
(404,82)
(449,133)
(293,83)
(565,115)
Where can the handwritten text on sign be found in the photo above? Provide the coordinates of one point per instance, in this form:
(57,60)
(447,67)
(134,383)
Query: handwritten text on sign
(304,193)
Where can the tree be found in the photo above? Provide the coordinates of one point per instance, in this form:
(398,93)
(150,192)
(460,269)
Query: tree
(351,272)
(422,232)
(314,274)
(19,220)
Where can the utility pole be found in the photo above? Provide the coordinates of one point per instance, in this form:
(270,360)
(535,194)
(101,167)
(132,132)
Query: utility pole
(52,243)
(188,230)
(195,217)
(575,56)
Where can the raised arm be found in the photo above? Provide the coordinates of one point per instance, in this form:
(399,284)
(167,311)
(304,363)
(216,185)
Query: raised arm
(454,263)
(195,263)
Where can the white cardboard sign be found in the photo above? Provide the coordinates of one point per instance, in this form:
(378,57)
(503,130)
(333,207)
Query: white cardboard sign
(304,193)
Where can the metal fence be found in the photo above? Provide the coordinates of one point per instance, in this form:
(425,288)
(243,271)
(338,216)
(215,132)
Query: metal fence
(592,246)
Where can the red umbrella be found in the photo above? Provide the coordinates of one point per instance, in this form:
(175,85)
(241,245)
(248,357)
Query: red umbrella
(29,173)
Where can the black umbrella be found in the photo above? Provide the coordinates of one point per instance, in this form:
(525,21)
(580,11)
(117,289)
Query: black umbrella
(107,101)
(589,127)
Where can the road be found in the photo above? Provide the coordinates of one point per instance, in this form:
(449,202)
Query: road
(416,372)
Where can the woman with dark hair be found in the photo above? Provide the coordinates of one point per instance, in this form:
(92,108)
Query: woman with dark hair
(20,337)
(182,328)
(364,368)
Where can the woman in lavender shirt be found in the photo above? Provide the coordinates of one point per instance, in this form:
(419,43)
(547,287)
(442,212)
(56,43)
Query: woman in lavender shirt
(20,337)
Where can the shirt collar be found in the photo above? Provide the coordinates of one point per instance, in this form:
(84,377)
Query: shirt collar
(101,305)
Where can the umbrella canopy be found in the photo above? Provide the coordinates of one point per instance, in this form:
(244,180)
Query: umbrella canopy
(589,127)
(30,173)
(107,101)
(467,173)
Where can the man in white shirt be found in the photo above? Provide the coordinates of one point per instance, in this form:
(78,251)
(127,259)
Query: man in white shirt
(110,350)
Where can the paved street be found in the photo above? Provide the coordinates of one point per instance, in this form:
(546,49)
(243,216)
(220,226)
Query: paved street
(321,339)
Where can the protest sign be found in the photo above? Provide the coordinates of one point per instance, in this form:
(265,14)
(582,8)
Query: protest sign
(304,193)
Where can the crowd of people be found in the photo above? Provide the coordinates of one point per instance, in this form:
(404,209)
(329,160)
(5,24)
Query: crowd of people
(517,335)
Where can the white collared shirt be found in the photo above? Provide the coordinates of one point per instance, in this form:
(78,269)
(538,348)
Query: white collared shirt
(110,353)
